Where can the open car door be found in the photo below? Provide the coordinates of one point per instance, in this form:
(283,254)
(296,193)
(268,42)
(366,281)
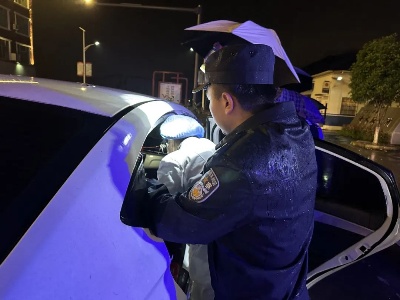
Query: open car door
(356,211)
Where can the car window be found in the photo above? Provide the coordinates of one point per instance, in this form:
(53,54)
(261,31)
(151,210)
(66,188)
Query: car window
(43,144)
(349,192)
(153,142)
(153,150)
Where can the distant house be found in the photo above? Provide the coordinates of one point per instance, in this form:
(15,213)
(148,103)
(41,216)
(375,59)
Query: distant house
(330,86)
(16,40)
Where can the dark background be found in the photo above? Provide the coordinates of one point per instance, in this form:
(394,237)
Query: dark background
(137,42)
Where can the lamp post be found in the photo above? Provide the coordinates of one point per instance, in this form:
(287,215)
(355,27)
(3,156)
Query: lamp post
(197,10)
(84,48)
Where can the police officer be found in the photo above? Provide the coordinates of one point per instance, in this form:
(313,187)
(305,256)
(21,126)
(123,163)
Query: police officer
(188,151)
(254,203)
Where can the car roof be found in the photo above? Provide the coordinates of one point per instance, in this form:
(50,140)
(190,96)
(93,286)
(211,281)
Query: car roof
(90,98)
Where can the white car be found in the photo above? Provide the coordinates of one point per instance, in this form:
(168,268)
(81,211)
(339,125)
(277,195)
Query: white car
(68,153)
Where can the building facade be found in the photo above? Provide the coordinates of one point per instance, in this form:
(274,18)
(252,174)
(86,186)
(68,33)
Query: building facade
(16,37)
(331,88)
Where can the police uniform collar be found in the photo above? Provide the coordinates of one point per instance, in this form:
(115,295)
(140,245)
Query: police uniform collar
(275,113)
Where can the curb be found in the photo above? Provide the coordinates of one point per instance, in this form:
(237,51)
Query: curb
(369,145)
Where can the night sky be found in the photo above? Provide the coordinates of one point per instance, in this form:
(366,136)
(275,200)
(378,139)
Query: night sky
(137,42)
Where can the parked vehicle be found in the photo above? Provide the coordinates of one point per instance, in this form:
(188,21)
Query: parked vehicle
(69,152)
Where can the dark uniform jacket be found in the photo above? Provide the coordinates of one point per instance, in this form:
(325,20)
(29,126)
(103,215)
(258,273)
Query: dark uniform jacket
(253,207)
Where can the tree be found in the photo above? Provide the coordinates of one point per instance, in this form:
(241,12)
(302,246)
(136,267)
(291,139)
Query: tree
(376,76)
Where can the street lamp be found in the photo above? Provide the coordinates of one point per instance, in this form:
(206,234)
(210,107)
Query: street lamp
(197,10)
(84,48)
(96,43)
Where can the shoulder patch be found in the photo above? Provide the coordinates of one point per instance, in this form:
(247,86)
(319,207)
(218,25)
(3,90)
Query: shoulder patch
(204,188)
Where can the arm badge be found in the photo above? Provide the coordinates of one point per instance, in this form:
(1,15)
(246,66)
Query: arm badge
(205,187)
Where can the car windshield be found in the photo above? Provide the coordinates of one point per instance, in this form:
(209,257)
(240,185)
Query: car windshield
(41,145)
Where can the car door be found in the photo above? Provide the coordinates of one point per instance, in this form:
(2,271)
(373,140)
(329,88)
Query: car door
(75,246)
(356,210)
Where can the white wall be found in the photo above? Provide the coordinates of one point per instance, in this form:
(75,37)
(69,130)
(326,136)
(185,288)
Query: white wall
(337,89)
